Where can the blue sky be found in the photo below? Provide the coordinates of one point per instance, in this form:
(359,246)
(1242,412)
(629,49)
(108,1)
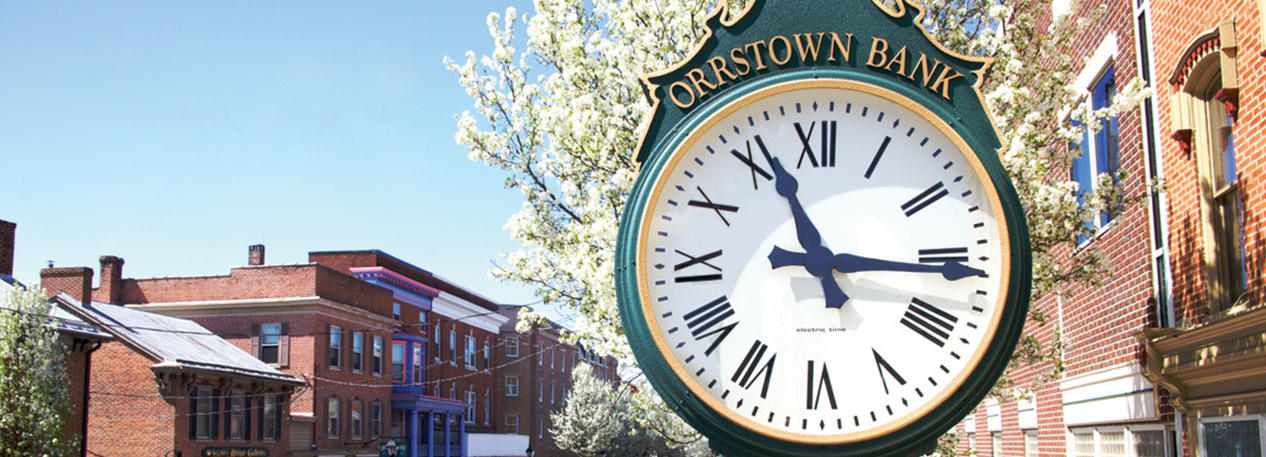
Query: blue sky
(176,134)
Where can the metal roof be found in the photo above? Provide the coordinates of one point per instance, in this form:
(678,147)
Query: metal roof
(174,342)
(57,318)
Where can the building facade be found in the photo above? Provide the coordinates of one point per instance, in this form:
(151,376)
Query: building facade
(442,371)
(535,369)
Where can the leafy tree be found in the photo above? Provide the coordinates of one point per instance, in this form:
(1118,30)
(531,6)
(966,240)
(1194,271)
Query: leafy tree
(566,136)
(598,420)
(34,397)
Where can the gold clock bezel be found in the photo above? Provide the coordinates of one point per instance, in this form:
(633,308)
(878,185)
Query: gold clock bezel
(738,419)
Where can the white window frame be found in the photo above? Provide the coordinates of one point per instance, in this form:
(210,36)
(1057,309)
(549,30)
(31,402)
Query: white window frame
(470,406)
(264,336)
(512,346)
(512,386)
(1128,432)
(470,352)
(1096,68)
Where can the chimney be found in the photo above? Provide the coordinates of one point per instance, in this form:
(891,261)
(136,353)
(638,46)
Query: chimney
(257,255)
(75,281)
(111,288)
(7,230)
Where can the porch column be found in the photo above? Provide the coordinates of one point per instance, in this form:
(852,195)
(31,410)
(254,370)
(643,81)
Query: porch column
(430,434)
(412,434)
(461,433)
(448,435)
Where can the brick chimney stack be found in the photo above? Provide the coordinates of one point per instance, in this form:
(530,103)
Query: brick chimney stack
(75,281)
(111,279)
(257,255)
(7,230)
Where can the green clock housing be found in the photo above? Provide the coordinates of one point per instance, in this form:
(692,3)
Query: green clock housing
(822,254)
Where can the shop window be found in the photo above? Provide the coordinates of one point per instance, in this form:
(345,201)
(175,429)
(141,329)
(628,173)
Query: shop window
(1231,438)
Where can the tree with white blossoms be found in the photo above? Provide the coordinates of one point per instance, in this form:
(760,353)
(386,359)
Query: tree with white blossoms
(566,136)
(34,397)
(597,419)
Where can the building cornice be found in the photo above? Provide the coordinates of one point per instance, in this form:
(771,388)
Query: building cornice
(257,306)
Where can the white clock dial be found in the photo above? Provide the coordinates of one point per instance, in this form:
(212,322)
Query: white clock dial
(821,261)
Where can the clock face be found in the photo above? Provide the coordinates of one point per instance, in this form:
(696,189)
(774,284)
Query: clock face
(823,261)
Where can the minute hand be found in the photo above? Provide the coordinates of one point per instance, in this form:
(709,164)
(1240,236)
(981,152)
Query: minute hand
(953,271)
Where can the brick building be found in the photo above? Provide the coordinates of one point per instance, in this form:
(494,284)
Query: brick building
(535,371)
(443,350)
(299,319)
(168,385)
(1103,404)
(1209,81)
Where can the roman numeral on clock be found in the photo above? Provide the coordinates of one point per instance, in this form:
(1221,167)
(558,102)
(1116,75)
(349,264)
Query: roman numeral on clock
(747,160)
(826,153)
(929,321)
(700,260)
(716,207)
(812,397)
(747,374)
(943,255)
(882,365)
(702,321)
(927,197)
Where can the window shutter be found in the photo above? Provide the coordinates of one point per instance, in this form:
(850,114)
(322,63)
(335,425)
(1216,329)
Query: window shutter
(283,346)
(259,428)
(215,413)
(277,417)
(255,340)
(193,413)
(246,417)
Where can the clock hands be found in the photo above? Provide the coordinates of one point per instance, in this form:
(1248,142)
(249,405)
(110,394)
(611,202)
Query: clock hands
(817,259)
(820,262)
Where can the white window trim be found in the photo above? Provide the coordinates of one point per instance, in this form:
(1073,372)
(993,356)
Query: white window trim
(1098,63)
(1128,431)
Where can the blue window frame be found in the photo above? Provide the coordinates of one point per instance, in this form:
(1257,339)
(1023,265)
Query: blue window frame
(1100,150)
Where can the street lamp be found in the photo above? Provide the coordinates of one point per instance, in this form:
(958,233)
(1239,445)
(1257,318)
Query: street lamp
(530,451)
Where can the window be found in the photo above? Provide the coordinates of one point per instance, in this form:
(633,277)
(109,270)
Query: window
(439,337)
(395,311)
(452,392)
(995,439)
(1115,442)
(336,342)
(487,408)
(470,407)
(358,351)
(375,419)
(417,364)
(204,419)
(487,356)
(1030,443)
(269,419)
(397,424)
(331,417)
(540,391)
(540,356)
(376,363)
(512,386)
(551,360)
(1149,443)
(356,418)
(540,427)
(1238,436)
(270,343)
(512,424)
(237,415)
(512,346)
(551,393)
(452,347)
(1099,148)
(397,362)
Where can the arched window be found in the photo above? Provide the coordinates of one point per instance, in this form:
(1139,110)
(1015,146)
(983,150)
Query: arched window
(1205,107)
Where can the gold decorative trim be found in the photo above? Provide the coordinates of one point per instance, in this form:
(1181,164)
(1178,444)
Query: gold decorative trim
(973,361)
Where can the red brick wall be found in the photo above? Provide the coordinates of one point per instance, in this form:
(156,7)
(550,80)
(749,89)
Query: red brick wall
(447,375)
(76,370)
(127,414)
(74,281)
(7,233)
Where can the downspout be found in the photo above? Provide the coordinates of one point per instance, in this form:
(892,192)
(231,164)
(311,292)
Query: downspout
(83,444)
